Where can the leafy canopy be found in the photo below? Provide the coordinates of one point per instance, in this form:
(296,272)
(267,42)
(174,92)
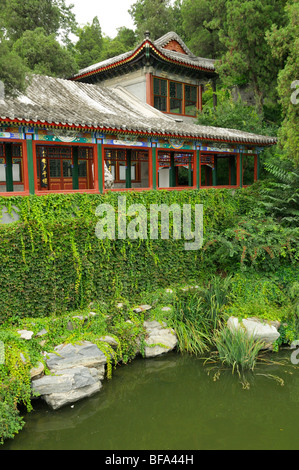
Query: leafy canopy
(201,35)
(247,58)
(54,16)
(284,43)
(34,37)
(231,113)
(46,57)
(155,16)
(90,44)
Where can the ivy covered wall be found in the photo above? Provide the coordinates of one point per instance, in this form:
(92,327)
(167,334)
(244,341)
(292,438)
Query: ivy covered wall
(52,261)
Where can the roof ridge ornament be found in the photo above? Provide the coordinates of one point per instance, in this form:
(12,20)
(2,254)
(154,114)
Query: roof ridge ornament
(147,35)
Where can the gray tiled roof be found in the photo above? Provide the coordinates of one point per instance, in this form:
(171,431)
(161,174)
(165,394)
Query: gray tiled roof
(188,59)
(56,101)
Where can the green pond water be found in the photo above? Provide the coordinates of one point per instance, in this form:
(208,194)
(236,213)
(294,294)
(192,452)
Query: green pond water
(172,403)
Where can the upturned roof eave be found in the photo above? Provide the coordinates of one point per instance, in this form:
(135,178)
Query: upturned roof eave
(142,50)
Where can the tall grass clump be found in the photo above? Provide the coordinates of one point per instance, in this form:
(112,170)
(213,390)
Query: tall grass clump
(236,349)
(196,314)
(215,295)
(190,324)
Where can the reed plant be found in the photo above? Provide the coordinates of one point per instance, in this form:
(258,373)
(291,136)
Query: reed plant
(236,349)
(215,296)
(191,324)
(196,313)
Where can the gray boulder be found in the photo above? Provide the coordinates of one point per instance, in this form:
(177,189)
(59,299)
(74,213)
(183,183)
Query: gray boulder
(159,338)
(76,372)
(260,330)
(67,386)
(84,354)
(25,334)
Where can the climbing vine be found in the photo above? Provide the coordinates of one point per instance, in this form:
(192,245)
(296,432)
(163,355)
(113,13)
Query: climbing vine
(52,261)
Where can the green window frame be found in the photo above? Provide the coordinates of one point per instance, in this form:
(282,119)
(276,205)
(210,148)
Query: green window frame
(160,94)
(176,97)
(190,100)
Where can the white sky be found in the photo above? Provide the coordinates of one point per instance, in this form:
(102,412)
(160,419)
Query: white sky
(112,14)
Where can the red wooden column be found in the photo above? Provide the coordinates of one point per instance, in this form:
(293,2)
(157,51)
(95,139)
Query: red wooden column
(150,168)
(149,89)
(239,170)
(31,162)
(154,169)
(255,168)
(199,103)
(198,167)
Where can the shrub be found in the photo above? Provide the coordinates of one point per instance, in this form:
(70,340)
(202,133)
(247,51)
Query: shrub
(197,312)
(10,420)
(280,197)
(259,244)
(236,349)
(191,324)
(253,294)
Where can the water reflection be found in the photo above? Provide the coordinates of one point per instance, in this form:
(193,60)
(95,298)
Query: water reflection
(170,402)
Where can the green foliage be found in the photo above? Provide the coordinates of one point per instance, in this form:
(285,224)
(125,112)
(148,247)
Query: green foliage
(30,41)
(195,311)
(294,296)
(53,262)
(232,114)
(236,349)
(281,196)
(289,331)
(191,324)
(124,41)
(284,43)
(15,383)
(43,54)
(216,295)
(256,295)
(21,355)
(201,37)
(12,69)
(155,16)
(261,244)
(10,420)
(90,43)
(247,59)
(54,16)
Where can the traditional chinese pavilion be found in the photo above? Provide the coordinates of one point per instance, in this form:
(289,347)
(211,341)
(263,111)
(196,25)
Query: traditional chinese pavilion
(122,124)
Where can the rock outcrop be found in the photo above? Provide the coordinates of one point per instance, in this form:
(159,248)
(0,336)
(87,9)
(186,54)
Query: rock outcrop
(260,330)
(77,372)
(159,338)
